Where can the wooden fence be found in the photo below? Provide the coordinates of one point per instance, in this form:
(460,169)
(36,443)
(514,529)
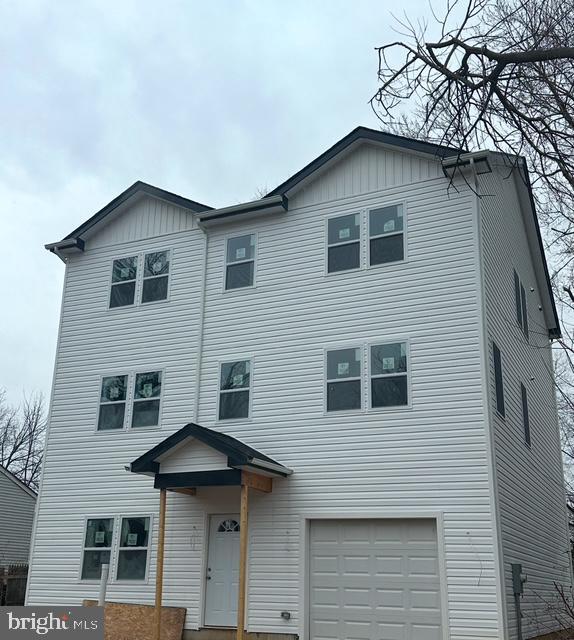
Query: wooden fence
(13,584)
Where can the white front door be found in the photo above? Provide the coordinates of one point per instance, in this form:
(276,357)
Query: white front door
(222,571)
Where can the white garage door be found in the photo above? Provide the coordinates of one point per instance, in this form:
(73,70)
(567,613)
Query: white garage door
(374,580)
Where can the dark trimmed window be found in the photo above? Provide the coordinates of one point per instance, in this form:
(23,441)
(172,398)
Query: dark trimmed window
(240,262)
(344,243)
(521,304)
(525,416)
(498,381)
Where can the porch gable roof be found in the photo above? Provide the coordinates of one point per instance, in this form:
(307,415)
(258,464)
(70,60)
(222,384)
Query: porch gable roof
(239,455)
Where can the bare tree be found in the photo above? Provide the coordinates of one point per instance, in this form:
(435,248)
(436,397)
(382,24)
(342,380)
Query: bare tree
(22,431)
(495,73)
(499,74)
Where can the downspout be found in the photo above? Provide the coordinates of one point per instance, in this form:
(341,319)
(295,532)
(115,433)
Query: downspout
(200,331)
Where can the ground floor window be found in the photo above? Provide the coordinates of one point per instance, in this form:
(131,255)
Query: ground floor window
(122,542)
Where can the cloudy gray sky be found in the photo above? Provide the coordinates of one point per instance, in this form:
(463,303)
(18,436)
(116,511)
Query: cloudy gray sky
(211,100)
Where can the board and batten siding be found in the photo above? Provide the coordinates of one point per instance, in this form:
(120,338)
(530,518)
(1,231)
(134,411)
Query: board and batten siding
(425,459)
(16,517)
(529,479)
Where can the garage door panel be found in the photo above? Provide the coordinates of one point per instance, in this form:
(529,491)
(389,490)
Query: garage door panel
(383,585)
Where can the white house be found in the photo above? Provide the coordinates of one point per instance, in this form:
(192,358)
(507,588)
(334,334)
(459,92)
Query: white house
(17,504)
(364,355)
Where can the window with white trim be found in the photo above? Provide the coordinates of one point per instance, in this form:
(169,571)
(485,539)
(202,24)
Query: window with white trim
(146,404)
(389,377)
(113,398)
(344,368)
(155,276)
(386,235)
(234,389)
(139,408)
(142,278)
(97,547)
(124,277)
(133,548)
(344,243)
(240,262)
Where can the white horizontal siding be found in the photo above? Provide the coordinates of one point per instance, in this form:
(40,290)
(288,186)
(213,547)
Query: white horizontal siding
(148,217)
(530,481)
(425,459)
(16,517)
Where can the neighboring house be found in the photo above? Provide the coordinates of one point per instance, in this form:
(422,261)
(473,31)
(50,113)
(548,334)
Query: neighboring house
(17,505)
(374,336)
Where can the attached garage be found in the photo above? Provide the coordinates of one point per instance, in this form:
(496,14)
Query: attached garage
(374,580)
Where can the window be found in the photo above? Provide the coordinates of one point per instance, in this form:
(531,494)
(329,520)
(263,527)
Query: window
(140,410)
(234,385)
(525,417)
(344,379)
(389,383)
(228,526)
(147,391)
(386,237)
(240,262)
(155,276)
(124,274)
(521,305)
(112,403)
(344,243)
(97,547)
(133,548)
(499,388)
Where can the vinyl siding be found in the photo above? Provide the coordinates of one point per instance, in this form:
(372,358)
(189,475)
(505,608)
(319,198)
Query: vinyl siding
(16,517)
(530,481)
(428,458)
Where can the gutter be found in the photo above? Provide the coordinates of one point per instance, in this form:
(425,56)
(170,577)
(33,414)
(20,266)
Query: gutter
(202,304)
(275,204)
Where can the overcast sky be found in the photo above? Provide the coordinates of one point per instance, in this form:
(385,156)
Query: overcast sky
(211,100)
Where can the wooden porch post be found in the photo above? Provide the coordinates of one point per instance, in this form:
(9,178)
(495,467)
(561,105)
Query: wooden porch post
(159,566)
(243,537)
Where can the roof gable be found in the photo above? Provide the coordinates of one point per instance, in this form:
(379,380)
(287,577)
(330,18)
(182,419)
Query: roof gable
(75,240)
(351,140)
(237,452)
(18,482)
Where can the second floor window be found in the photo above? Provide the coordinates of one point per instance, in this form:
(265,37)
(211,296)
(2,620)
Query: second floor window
(525,416)
(147,392)
(389,383)
(138,408)
(234,389)
(240,262)
(344,379)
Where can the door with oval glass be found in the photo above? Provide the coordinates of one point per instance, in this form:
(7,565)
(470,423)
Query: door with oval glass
(222,571)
